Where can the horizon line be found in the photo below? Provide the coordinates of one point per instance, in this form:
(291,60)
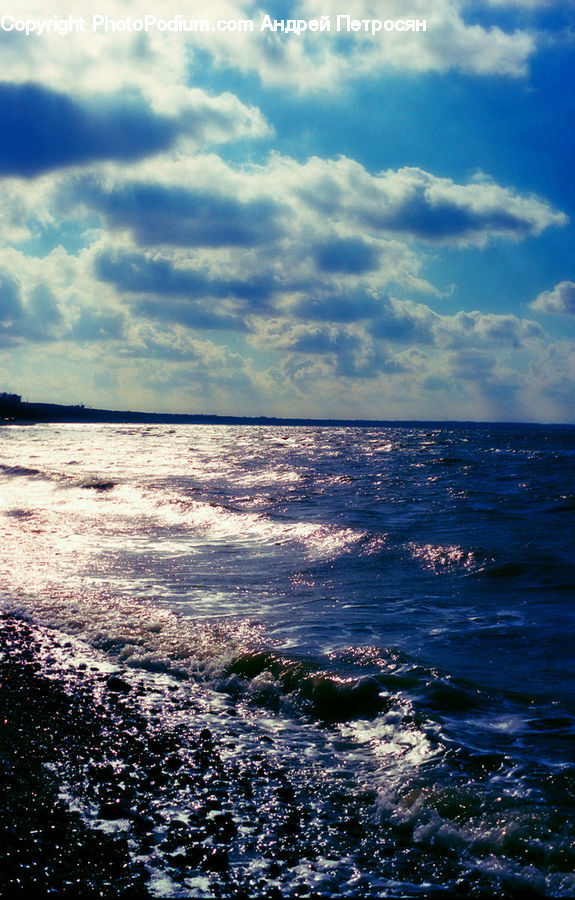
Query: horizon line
(71,413)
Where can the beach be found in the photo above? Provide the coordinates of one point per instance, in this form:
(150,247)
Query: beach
(92,777)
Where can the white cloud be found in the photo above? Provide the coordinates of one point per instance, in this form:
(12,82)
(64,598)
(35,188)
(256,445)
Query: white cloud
(552,382)
(157,63)
(560,300)
(303,206)
(418,204)
(448,43)
(476,329)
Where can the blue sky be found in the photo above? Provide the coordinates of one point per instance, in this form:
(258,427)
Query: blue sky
(332,223)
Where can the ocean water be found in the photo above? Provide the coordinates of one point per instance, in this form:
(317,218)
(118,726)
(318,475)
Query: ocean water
(387,612)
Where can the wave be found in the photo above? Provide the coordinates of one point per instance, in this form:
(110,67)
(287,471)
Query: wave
(98,485)
(221,520)
(508,844)
(230,656)
(449,805)
(21,471)
(447,557)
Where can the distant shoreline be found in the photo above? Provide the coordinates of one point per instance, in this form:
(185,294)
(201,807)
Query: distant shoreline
(17,412)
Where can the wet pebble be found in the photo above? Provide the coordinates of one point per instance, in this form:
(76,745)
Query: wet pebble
(216,861)
(118,685)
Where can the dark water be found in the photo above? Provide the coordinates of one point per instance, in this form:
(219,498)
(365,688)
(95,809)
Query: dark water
(391,607)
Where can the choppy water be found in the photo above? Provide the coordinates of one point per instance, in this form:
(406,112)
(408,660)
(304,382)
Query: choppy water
(390,608)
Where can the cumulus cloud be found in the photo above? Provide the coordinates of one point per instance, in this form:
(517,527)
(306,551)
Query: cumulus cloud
(44,313)
(351,306)
(418,204)
(347,255)
(280,334)
(500,387)
(307,269)
(560,300)
(404,322)
(186,216)
(292,262)
(468,329)
(157,63)
(553,374)
(346,352)
(136,273)
(325,61)
(11,309)
(198,373)
(194,315)
(342,218)
(527,4)
(96,325)
(152,341)
(44,129)
(450,42)
(28,313)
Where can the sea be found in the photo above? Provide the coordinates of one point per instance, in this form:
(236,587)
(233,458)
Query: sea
(385,615)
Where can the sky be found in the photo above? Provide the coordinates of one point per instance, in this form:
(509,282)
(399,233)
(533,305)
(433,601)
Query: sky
(254,216)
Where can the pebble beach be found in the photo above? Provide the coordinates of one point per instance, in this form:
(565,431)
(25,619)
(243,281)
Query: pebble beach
(90,778)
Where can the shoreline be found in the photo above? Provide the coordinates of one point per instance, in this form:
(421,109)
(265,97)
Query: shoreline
(103,798)
(115,786)
(26,413)
(89,776)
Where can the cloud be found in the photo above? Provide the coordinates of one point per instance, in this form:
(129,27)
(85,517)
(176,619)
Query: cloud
(27,315)
(156,63)
(199,374)
(97,325)
(528,4)
(154,341)
(314,225)
(305,274)
(476,329)
(43,311)
(139,274)
(327,61)
(185,216)
(54,301)
(553,375)
(146,341)
(500,387)
(304,268)
(281,334)
(420,205)
(44,130)
(347,352)
(352,306)
(352,256)
(193,315)
(404,322)
(560,300)
(11,309)
(449,43)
